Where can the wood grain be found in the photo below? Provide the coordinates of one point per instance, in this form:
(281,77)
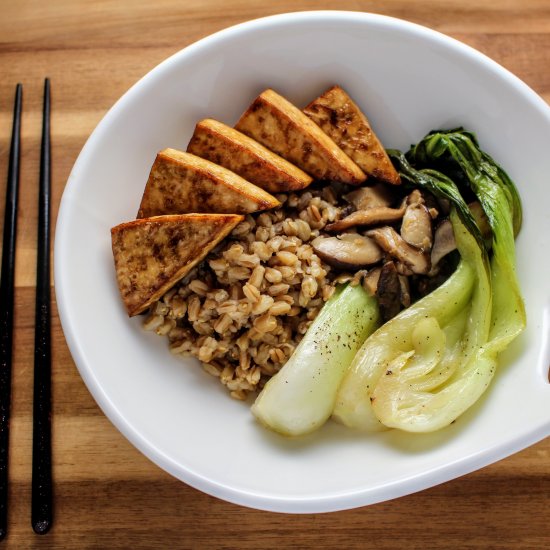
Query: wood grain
(107,494)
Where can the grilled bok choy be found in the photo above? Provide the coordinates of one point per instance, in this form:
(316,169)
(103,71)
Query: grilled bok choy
(416,372)
(458,154)
(425,367)
(300,397)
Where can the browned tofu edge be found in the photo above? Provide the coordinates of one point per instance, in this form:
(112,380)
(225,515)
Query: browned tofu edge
(267,163)
(282,107)
(389,174)
(226,223)
(233,182)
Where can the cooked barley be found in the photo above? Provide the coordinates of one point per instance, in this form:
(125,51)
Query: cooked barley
(152,322)
(193,308)
(278,289)
(257,277)
(263,304)
(198,287)
(166,327)
(261,250)
(223,323)
(279,308)
(273,275)
(238,273)
(252,293)
(243,310)
(265,323)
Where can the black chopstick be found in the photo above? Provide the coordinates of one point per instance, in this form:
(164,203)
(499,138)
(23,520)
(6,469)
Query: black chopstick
(41,506)
(6,304)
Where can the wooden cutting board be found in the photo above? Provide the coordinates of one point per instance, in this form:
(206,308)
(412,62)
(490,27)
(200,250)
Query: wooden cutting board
(107,495)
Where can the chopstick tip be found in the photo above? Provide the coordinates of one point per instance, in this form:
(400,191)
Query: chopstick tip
(18,99)
(47,90)
(41,527)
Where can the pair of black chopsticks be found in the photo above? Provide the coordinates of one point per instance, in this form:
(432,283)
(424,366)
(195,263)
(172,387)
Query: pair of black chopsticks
(41,513)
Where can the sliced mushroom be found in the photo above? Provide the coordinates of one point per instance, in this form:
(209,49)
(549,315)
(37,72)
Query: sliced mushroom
(405,291)
(388,292)
(370,281)
(371,216)
(402,269)
(431,203)
(390,241)
(370,197)
(416,228)
(433,213)
(415,197)
(444,239)
(348,251)
(444,242)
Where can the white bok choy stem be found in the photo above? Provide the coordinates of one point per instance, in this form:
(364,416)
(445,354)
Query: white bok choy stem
(300,397)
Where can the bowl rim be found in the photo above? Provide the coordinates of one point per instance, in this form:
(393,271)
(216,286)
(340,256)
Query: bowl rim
(333,501)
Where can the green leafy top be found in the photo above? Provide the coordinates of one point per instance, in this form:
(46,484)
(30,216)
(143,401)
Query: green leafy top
(457,154)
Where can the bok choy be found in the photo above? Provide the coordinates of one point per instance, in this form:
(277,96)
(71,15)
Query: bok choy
(300,397)
(413,372)
(425,367)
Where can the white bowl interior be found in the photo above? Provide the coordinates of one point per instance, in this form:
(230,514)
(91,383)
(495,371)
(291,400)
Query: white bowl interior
(408,80)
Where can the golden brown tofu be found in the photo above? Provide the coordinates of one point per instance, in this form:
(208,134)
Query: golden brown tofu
(152,254)
(280,126)
(219,143)
(337,114)
(181,183)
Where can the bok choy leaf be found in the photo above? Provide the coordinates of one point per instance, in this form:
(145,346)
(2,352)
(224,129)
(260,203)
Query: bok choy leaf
(457,153)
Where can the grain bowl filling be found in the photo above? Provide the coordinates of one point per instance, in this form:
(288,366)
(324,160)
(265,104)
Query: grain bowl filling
(290,243)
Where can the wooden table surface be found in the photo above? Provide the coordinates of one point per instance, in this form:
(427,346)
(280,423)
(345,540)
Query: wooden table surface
(107,495)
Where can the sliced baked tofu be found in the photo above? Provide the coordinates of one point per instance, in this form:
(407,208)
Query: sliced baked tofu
(152,254)
(280,126)
(181,183)
(339,116)
(223,145)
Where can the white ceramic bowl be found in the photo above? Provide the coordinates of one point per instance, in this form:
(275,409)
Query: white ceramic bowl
(409,80)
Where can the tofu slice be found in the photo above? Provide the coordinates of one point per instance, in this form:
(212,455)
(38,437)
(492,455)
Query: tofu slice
(223,145)
(339,116)
(280,126)
(152,254)
(181,183)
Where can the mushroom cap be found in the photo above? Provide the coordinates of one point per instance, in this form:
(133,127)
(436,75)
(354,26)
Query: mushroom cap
(416,227)
(444,242)
(370,216)
(347,251)
(370,196)
(390,241)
